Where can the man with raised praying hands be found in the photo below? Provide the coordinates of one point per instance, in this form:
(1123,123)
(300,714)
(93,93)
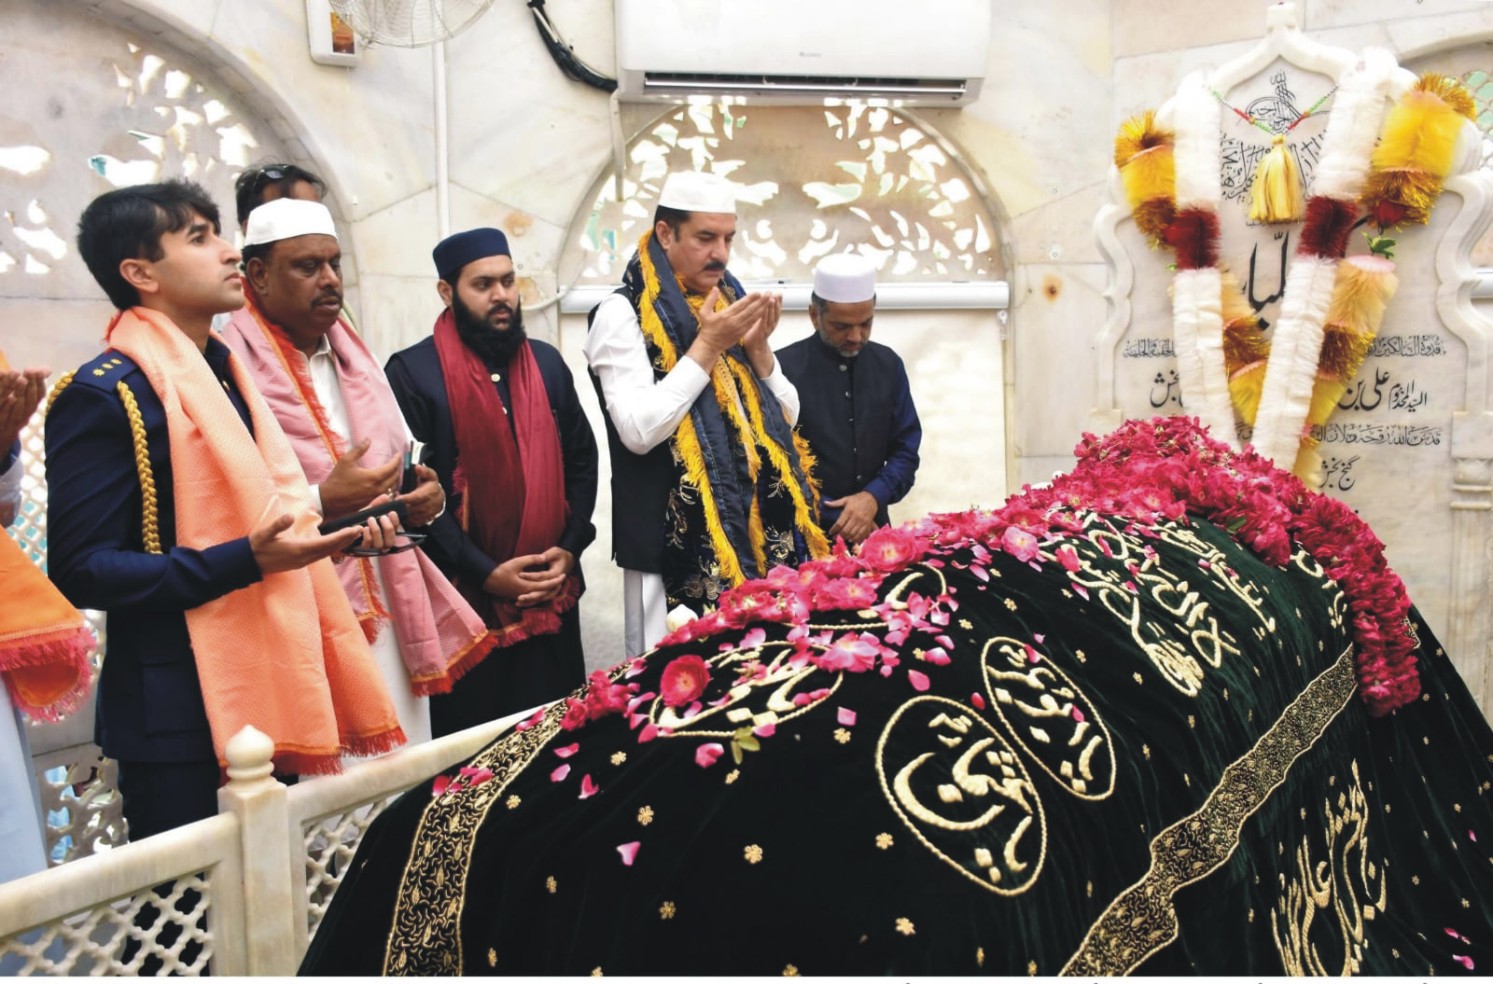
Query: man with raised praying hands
(709,484)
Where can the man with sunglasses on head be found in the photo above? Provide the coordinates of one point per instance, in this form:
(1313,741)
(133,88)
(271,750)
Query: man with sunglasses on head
(336,407)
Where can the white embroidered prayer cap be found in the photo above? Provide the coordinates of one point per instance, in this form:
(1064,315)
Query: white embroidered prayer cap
(845,278)
(697,191)
(286,218)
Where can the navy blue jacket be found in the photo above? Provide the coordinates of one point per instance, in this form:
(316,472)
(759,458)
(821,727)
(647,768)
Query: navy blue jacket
(420,387)
(149,706)
(858,417)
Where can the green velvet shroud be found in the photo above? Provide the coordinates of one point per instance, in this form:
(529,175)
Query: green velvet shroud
(1225,805)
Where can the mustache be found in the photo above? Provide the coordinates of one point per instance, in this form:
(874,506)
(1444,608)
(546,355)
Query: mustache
(331,295)
(715,266)
(500,306)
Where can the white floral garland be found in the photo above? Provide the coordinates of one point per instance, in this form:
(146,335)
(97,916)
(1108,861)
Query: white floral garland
(1296,345)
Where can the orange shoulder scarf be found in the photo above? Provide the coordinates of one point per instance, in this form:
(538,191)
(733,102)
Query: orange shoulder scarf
(285,655)
(44,642)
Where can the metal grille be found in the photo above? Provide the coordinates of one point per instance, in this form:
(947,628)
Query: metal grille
(161,932)
(330,845)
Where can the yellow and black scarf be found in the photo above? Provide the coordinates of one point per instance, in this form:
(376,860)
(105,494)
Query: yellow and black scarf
(743,501)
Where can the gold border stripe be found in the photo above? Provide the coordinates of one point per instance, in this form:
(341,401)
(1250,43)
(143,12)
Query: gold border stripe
(1143,919)
(425,930)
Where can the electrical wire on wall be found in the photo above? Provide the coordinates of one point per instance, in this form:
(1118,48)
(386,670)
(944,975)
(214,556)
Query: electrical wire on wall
(564,55)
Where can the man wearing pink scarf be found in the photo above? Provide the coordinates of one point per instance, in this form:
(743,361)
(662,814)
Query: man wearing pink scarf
(336,407)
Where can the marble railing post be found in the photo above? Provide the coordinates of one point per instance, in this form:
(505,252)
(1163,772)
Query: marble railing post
(269,936)
(1468,623)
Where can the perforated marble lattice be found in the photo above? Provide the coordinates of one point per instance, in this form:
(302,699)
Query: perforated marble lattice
(812,181)
(149,933)
(331,843)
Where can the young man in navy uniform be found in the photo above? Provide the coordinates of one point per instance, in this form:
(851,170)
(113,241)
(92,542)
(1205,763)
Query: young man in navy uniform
(111,513)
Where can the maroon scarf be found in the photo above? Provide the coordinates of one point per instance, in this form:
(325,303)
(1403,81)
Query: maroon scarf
(511,491)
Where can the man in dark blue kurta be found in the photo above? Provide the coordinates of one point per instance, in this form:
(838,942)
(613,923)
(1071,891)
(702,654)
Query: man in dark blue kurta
(857,411)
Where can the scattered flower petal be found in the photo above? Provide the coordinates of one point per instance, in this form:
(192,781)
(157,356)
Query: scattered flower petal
(845,716)
(629,851)
(977,700)
(919,680)
(707,753)
(588,788)
(568,750)
(560,773)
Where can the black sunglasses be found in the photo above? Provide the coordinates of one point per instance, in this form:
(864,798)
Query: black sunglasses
(263,176)
(411,541)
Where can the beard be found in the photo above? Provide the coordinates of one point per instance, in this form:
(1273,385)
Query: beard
(493,346)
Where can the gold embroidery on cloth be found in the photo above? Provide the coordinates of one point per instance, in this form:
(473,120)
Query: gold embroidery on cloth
(1338,893)
(1142,919)
(425,933)
(1051,719)
(1118,569)
(953,780)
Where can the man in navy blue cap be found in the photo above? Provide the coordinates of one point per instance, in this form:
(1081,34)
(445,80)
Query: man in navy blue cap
(515,453)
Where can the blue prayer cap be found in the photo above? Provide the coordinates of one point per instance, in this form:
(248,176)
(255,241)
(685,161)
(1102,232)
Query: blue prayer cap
(456,251)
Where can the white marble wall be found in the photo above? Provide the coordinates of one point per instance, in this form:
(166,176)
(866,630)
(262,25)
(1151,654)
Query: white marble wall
(526,145)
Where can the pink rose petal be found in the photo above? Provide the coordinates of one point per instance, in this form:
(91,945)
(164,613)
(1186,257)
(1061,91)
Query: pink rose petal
(629,851)
(845,716)
(588,788)
(568,750)
(649,732)
(1472,836)
(1077,714)
(560,773)
(1039,638)
(1463,960)
(443,782)
(634,668)
(1082,591)
(978,701)
(707,753)
(765,730)
(754,638)
(919,680)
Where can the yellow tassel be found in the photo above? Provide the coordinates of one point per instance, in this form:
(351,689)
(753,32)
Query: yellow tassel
(1419,134)
(1308,466)
(1276,194)
(1451,91)
(1360,293)
(1243,341)
(1244,389)
(1144,157)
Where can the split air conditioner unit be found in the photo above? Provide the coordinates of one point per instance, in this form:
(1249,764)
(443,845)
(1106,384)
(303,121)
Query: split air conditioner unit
(797,52)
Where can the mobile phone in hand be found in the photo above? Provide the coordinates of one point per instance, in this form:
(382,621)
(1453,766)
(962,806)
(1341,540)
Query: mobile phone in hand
(363,515)
(409,478)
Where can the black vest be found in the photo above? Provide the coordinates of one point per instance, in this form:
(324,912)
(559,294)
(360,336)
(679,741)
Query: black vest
(640,486)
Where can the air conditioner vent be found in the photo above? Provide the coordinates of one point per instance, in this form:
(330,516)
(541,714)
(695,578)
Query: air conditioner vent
(673,84)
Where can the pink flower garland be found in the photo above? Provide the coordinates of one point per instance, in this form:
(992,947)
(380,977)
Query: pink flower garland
(1147,471)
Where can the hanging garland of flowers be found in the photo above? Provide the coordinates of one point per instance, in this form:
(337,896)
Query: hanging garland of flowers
(1333,303)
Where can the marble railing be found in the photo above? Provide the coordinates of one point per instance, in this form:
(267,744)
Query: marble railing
(242,892)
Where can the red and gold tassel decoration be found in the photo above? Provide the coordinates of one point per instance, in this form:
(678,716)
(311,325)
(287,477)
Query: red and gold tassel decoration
(1361,291)
(1416,150)
(1143,155)
(1276,194)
